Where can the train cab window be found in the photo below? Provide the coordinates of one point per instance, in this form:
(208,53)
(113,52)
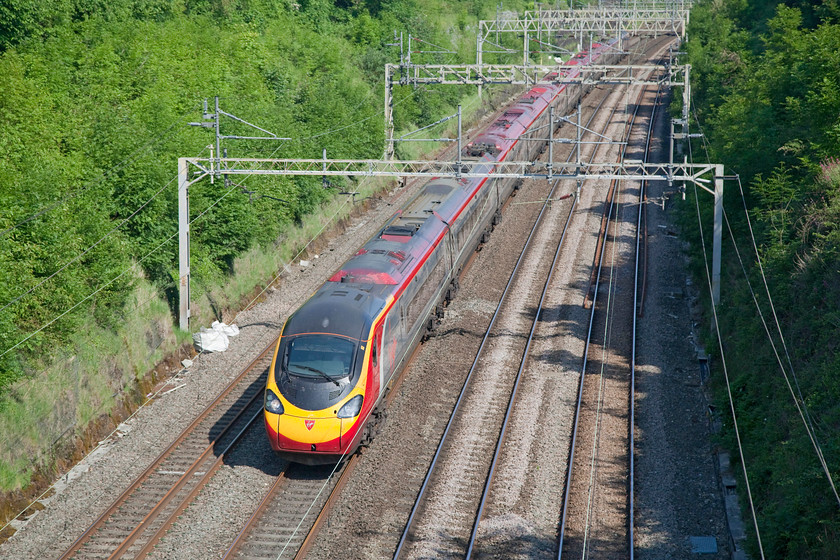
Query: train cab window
(373,352)
(318,355)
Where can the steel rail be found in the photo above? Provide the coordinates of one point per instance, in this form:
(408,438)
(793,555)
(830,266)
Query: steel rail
(167,453)
(578,405)
(258,513)
(241,538)
(418,501)
(524,361)
(325,511)
(469,377)
(188,499)
(257,518)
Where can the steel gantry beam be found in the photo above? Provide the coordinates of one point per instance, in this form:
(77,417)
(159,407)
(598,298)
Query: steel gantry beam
(530,74)
(546,27)
(191,170)
(353,168)
(543,26)
(606,19)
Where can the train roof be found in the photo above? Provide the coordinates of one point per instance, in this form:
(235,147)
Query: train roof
(391,256)
(341,309)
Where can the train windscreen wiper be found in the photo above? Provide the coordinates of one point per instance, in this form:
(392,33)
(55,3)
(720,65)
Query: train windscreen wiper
(324,374)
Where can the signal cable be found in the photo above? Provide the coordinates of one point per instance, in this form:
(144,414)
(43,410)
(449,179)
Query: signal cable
(444,284)
(86,251)
(150,398)
(120,275)
(250,304)
(809,428)
(800,403)
(344,127)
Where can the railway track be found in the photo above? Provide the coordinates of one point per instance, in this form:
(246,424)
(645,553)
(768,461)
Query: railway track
(141,515)
(597,515)
(282,523)
(287,521)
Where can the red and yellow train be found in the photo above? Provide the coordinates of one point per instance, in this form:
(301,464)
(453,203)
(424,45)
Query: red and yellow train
(338,353)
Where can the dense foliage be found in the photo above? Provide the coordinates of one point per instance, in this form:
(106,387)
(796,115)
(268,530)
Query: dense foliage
(95,101)
(766,79)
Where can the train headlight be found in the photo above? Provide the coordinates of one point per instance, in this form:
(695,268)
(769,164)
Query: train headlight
(272,402)
(351,408)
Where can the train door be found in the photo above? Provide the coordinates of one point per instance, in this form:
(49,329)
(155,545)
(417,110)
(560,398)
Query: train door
(388,347)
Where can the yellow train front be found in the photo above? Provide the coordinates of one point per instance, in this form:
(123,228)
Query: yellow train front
(324,379)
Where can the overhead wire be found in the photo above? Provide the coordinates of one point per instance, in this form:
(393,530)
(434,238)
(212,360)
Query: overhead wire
(113,230)
(801,407)
(120,275)
(231,189)
(338,462)
(89,248)
(150,397)
(378,113)
(142,258)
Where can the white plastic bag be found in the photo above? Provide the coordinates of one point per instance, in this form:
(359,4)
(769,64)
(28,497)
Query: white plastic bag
(229,330)
(210,340)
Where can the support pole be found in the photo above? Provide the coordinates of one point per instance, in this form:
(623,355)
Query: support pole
(458,167)
(686,97)
(324,167)
(525,57)
(718,229)
(577,150)
(671,156)
(218,137)
(550,164)
(183,246)
(478,48)
(389,113)
(578,137)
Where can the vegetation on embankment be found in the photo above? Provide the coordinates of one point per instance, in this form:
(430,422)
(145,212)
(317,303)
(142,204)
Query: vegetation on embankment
(766,90)
(94,105)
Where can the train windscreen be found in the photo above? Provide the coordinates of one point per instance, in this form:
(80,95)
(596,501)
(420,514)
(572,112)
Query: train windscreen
(319,355)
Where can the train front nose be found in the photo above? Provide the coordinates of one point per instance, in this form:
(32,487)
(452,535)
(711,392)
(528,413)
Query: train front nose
(305,434)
